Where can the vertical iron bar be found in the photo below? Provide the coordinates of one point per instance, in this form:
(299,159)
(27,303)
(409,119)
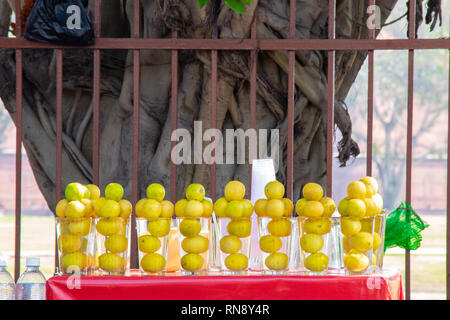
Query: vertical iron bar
(96,98)
(291,102)
(409,135)
(448,184)
(174,120)
(18,182)
(213,124)
(330,110)
(136,104)
(370,102)
(253,71)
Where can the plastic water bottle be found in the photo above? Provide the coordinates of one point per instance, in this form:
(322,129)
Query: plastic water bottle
(31,284)
(6,283)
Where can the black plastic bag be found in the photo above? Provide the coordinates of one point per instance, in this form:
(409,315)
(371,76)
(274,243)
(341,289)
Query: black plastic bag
(62,22)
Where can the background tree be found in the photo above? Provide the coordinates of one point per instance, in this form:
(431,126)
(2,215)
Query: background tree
(159,18)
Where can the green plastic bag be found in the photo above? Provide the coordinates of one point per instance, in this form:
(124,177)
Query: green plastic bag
(403,228)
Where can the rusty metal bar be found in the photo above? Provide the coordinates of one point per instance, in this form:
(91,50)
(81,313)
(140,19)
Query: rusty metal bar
(253,73)
(174,120)
(370,102)
(213,119)
(291,104)
(409,135)
(239,44)
(330,109)
(18,182)
(134,263)
(448,185)
(96,98)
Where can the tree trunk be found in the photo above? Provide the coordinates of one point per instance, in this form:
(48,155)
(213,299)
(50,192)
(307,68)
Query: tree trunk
(159,18)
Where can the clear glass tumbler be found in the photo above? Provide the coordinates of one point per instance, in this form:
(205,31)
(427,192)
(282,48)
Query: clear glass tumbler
(194,238)
(113,243)
(153,244)
(76,245)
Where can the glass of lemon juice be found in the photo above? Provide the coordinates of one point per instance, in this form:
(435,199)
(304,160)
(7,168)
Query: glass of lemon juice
(76,245)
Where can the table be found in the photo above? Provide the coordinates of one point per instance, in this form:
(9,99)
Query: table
(385,286)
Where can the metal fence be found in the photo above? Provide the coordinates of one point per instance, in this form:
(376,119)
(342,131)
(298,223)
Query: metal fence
(254,45)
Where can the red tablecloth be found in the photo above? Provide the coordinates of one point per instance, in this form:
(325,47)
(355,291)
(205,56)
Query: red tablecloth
(386,286)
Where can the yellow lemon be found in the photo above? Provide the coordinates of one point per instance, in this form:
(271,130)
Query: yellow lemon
(356,208)
(139,208)
(311,242)
(149,244)
(236,261)
(88,208)
(68,243)
(76,191)
(61,208)
(274,190)
(126,208)
(234,209)
(367,225)
(195,244)
(279,228)
(190,227)
(350,226)
(356,261)
(374,259)
(318,226)
(288,207)
(343,206)
(195,191)
(300,206)
(110,209)
(111,262)
(192,262)
(75,209)
(116,243)
(371,207)
(316,262)
(208,208)
(241,228)
(64,226)
(260,207)
(234,190)
(376,241)
(193,209)
(74,262)
(356,190)
(180,206)
(153,262)
(156,192)
(94,191)
(329,206)
(220,207)
(379,201)
(346,243)
(114,191)
(312,191)
(274,208)
(98,205)
(151,210)
(370,181)
(362,241)
(247,208)
(160,227)
(270,243)
(313,209)
(277,261)
(109,226)
(230,244)
(80,227)
(166,209)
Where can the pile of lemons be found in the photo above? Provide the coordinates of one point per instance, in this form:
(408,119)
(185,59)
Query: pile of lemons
(238,210)
(158,212)
(113,213)
(278,210)
(314,212)
(359,223)
(195,244)
(76,224)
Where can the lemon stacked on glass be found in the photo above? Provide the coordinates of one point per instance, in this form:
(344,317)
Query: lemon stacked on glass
(234,226)
(75,228)
(315,222)
(362,225)
(274,222)
(193,217)
(112,227)
(153,228)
